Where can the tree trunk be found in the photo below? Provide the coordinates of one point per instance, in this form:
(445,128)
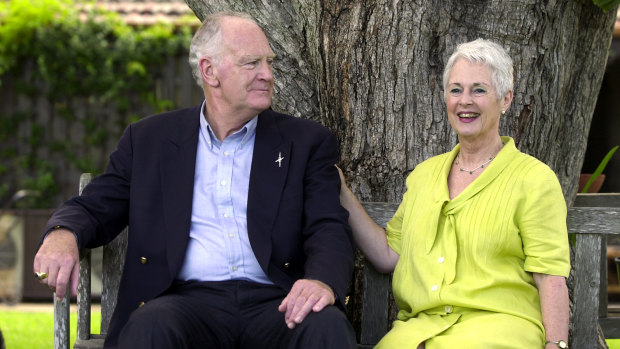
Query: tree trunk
(371,71)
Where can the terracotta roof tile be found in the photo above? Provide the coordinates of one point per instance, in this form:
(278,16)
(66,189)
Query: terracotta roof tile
(144,12)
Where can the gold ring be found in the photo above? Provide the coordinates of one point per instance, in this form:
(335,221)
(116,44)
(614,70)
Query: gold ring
(40,275)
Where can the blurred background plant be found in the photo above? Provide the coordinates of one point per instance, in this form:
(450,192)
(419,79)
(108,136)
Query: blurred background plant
(70,81)
(598,172)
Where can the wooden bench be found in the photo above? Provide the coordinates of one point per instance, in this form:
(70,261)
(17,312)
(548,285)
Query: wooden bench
(588,283)
(609,325)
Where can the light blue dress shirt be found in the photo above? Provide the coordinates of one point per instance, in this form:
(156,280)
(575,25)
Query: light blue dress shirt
(219,247)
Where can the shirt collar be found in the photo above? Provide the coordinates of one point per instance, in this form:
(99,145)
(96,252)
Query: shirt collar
(249,129)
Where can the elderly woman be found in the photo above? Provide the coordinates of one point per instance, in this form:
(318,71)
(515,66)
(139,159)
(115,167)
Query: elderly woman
(478,246)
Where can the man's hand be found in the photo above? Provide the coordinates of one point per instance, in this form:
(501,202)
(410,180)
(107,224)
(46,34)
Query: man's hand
(59,258)
(306,295)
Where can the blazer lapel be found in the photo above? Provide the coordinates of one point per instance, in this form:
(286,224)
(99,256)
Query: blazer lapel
(270,164)
(177,166)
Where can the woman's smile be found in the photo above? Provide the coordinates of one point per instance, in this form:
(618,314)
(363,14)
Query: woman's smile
(468,117)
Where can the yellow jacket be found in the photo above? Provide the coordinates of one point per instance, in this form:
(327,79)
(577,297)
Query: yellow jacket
(478,251)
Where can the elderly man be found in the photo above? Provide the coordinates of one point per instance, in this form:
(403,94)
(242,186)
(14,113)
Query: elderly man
(236,235)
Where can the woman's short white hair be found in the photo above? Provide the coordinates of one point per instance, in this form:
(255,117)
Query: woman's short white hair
(490,54)
(207,41)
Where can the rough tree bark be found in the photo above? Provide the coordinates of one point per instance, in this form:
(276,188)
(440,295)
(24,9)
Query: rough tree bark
(371,70)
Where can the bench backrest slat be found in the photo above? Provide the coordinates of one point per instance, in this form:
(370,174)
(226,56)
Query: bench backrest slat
(594,220)
(112,263)
(586,290)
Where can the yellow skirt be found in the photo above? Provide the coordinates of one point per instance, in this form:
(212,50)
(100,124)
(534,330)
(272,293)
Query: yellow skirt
(463,328)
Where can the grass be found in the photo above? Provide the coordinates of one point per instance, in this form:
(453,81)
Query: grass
(35,329)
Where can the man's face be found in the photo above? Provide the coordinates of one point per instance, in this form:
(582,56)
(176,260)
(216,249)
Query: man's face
(244,69)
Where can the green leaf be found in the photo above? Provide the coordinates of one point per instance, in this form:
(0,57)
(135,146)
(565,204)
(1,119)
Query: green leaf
(606,5)
(599,169)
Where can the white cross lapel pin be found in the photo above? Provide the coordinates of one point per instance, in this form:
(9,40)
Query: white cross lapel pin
(279,159)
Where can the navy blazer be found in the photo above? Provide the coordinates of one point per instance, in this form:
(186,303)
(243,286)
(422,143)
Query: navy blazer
(296,226)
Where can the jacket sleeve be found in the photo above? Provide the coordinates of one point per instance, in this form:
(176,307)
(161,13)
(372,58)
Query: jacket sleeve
(327,237)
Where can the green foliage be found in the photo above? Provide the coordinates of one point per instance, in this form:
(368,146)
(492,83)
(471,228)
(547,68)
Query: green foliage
(98,56)
(19,21)
(606,5)
(50,52)
(599,169)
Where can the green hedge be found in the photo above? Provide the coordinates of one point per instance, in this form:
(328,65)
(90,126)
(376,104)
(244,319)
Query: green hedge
(98,58)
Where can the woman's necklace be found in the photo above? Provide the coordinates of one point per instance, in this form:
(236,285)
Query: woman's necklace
(471,172)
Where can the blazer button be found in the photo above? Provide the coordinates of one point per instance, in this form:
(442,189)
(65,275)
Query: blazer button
(141,304)
(143,260)
(287,265)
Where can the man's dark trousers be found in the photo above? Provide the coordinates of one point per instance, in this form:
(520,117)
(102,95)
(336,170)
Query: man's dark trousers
(230,314)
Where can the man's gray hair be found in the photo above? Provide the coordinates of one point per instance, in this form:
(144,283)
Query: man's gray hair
(490,54)
(207,41)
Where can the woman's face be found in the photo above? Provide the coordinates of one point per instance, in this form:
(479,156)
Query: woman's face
(472,103)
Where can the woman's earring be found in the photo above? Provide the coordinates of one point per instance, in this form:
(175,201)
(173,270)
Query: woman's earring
(503,112)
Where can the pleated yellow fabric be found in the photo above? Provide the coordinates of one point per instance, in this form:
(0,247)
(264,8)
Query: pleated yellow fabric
(465,328)
(470,259)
